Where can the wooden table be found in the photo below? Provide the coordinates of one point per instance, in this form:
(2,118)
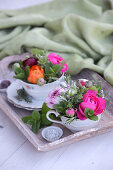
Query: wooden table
(16,153)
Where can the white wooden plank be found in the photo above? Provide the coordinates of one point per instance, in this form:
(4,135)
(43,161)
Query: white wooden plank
(27,157)
(10,138)
(93,154)
(85,155)
(50,159)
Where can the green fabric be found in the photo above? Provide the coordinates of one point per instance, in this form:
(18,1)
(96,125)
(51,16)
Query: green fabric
(81,31)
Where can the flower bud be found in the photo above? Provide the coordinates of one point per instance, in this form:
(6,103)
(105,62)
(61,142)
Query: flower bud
(72,91)
(70,112)
(16,65)
(80,83)
(41,82)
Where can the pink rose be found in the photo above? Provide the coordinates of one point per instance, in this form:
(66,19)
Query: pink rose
(64,70)
(54,58)
(70,112)
(54,97)
(93,102)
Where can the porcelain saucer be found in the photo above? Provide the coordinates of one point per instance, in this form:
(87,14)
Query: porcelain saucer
(12,93)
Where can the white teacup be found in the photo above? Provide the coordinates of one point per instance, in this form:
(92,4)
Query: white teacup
(75,125)
(40,92)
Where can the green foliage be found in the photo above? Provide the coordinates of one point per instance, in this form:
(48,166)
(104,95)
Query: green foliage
(99,87)
(51,71)
(36,115)
(82,90)
(35,126)
(61,107)
(90,114)
(20,76)
(38,119)
(26,71)
(47,68)
(94,117)
(26,119)
(18,70)
(70,105)
(93,88)
(33,120)
(45,109)
(56,68)
(21,73)
(23,95)
(97,83)
(70,120)
(21,63)
(38,52)
(42,61)
(44,120)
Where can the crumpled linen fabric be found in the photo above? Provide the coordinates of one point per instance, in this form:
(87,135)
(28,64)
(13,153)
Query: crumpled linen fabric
(81,31)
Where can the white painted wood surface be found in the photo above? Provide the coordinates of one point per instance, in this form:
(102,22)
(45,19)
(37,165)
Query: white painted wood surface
(16,153)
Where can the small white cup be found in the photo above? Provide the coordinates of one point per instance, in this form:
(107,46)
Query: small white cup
(75,125)
(40,92)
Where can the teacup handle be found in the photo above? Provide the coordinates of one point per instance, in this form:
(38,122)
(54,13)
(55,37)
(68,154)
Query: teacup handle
(56,114)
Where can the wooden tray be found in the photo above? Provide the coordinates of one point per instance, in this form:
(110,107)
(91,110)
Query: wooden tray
(15,114)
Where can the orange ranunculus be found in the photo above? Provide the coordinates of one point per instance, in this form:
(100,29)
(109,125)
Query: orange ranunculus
(35,73)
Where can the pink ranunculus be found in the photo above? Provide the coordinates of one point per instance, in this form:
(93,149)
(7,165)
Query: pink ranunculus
(91,101)
(54,58)
(64,70)
(70,112)
(54,97)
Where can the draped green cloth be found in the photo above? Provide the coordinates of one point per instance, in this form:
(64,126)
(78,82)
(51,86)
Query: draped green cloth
(81,31)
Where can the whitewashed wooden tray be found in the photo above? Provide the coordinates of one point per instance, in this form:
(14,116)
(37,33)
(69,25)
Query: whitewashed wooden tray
(15,114)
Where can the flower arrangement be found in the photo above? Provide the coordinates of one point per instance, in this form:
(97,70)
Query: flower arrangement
(81,100)
(40,68)
(75,100)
